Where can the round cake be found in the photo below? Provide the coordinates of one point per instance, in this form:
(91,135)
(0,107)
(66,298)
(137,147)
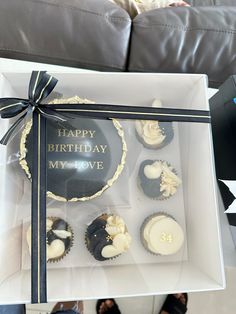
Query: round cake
(158,179)
(84,156)
(107,237)
(59,238)
(161,234)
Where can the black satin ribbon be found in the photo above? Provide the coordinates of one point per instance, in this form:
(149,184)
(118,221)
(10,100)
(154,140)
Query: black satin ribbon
(40,86)
(105,111)
(38,211)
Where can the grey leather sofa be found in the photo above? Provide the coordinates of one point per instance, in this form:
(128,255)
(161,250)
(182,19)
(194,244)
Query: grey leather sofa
(96,34)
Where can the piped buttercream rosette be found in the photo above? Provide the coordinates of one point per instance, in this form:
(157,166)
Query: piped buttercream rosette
(154,134)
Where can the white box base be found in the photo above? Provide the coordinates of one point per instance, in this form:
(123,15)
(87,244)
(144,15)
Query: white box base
(201,266)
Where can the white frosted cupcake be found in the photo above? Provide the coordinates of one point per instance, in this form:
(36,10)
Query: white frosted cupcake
(158,179)
(161,234)
(154,134)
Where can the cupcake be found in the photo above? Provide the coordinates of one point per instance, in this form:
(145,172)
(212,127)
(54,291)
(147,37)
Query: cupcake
(161,234)
(154,134)
(107,237)
(158,179)
(59,238)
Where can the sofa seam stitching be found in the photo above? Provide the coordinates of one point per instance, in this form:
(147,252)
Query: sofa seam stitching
(187,28)
(59,58)
(119,18)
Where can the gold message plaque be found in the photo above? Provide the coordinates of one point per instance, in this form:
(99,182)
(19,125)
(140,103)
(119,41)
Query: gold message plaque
(84,156)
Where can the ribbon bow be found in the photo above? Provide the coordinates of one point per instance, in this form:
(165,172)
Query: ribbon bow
(40,86)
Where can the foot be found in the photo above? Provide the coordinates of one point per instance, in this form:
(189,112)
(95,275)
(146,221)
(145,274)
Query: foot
(104,306)
(71,305)
(181,298)
(179,4)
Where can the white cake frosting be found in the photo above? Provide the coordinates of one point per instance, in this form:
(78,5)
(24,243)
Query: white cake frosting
(57,247)
(169,179)
(121,239)
(163,235)
(150,130)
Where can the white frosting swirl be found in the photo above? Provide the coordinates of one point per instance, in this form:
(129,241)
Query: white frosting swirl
(150,132)
(115,225)
(153,171)
(49,224)
(169,179)
(55,249)
(63,234)
(121,239)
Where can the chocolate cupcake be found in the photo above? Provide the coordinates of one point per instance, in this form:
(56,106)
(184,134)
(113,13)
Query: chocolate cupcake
(59,238)
(154,134)
(158,179)
(107,237)
(161,234)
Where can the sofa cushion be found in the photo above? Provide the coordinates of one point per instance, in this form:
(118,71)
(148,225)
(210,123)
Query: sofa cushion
(186,40)
(66,32)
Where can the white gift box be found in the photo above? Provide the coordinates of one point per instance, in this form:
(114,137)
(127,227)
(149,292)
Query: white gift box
(198,266)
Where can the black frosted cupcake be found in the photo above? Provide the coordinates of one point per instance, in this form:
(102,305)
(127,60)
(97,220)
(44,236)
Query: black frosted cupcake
(107,237)
(59,238)
(154,134)
(158,179)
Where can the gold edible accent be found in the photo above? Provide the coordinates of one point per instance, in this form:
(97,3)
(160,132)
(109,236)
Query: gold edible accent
(109,183)
(166,237)
(108,238)
(23,149)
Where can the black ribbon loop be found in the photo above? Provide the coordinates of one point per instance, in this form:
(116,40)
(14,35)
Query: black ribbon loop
(40,86)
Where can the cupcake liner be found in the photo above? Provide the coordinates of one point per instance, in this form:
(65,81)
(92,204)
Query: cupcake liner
(57,259)
(146,220)
(157,146)
(161,197)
